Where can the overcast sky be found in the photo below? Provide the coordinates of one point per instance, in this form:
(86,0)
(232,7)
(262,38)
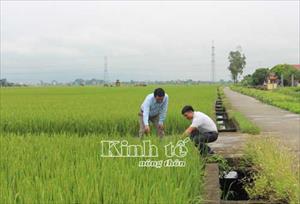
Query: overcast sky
(143,40)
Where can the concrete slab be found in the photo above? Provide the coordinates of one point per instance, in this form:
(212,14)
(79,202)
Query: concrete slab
(271,120)
(230,144)
(212,191)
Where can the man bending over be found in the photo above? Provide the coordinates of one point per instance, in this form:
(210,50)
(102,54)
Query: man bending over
(154,109)
(202,130)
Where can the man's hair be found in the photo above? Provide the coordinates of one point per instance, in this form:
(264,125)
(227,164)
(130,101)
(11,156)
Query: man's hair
(159,92)
(187,109)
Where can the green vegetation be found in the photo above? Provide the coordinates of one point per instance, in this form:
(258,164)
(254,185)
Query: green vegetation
(277,171)
(286,70)
(86,110)
(69,169)
(286,98)
(222,162)
(50,146)
(237,62)
(257,78)
(244,124)
(261,74)
(290,91)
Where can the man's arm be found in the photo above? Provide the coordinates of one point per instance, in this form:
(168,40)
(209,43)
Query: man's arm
(195,124)
(146,110)
(162,115)
(188,132)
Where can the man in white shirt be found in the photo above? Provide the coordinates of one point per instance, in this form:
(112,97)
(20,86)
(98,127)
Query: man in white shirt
(202,130)
(154,109)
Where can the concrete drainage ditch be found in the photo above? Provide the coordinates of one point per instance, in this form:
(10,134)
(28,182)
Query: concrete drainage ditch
(224,123)
(227,188)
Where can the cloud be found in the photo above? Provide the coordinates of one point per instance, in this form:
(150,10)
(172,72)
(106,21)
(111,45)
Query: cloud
(156,40)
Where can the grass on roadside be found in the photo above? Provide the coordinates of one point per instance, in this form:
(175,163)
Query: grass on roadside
(245,125)
(277,178)
(286,98)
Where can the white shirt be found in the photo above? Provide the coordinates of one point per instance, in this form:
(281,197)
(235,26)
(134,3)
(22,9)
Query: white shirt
(151,108)
(203,123)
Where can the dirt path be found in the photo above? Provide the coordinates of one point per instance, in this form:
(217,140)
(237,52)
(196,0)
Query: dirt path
(271,120)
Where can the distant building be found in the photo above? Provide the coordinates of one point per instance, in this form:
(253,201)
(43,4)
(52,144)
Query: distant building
(118,83)
(79,82)
(297,66)
(3,82)
(140,84)
(272,81)
(93,82)
(54,83)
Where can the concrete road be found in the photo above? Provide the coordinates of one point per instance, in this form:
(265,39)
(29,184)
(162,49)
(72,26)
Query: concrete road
(271,120)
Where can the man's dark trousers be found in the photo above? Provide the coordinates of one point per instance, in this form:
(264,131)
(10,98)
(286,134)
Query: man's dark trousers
(200,140)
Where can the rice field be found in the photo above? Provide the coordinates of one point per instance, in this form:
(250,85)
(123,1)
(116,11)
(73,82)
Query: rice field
(70,169)
(51,143)
(85,110)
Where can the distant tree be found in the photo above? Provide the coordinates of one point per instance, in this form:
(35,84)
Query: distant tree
(286,71)
(79,82)
(247,80)
(237,62)
(3,82)
(259,76)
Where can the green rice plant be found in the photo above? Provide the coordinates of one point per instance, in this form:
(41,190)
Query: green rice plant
(222,163)
(88,110)
(276,176)
(38,168)
(285,98)
(50,146)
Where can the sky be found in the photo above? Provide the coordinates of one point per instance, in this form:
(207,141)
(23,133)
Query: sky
(143,40)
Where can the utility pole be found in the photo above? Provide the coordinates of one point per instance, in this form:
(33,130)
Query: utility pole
(212,62)
(105,75)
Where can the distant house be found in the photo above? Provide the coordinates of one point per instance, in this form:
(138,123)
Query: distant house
(141,84)
(118,83)
(79,82)
(272,81)
(297,66)
(93,81)
(54,83)
(3,82)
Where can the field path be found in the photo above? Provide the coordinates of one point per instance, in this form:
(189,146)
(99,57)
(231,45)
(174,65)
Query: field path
(272,120)
(230,144)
